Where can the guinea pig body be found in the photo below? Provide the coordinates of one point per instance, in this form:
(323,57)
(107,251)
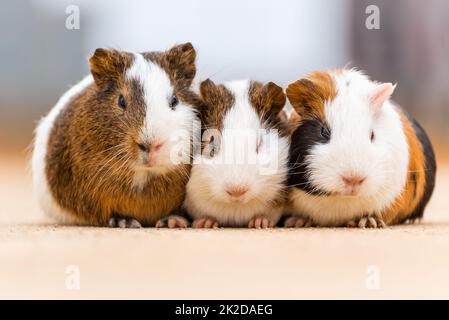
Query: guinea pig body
(239,178)
(356,159)
(104,154)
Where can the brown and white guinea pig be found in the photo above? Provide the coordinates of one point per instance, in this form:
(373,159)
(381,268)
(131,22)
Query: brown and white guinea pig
(116,148)
(356,159)
(239,177)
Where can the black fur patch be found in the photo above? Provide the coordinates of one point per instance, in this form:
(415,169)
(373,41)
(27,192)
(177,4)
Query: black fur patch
(413,179)
(306,135)
(430,166)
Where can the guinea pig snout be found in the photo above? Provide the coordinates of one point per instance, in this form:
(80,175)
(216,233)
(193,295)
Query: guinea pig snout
(236,190)
(148,147)
(150,152)
(353,180)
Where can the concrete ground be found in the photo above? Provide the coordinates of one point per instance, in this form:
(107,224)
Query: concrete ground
(39,259)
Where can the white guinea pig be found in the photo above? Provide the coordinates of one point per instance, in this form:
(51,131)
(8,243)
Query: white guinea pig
(356,159)
(239,179)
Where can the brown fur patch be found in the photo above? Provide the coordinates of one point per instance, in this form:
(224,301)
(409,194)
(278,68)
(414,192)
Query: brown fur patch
(414,189)
(308,95)
(218,100)
(109,65)
(178,62)
(92,144)
(269,100)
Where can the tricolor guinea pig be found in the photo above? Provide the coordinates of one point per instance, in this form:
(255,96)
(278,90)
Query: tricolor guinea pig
(116,149)
(356,159)
(239,178)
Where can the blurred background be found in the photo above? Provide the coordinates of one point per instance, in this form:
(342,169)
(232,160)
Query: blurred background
(276,40)
(40,58)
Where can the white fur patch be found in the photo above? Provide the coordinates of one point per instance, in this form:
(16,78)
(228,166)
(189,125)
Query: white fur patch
(383,162)
(233,165)
(173,128)
(41,189)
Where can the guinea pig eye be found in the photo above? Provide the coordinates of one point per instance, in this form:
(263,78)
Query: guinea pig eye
(122,102)
(212,146)
(173,102)
(325,133)
(372,136)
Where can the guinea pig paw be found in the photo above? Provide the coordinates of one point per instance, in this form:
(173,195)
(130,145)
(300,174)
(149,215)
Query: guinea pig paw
(172,222)
(120,222)
(260,222)
(298,222)
(205,223)
(374,221)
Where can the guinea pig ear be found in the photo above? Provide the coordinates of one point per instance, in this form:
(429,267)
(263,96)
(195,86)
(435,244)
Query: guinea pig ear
(208,90)
(275,97)
(181,62)
(309,95)
(106,65)
(380,94)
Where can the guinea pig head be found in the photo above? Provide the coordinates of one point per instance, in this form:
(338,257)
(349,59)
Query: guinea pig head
(244,151)
(145,113)
(346,139)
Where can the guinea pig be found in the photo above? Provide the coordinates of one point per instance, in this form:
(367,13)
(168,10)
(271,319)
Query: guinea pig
(239,177)
(356,159)
(116,148)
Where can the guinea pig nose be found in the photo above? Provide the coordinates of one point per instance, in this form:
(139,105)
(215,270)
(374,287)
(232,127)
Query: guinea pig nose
(147,147)
(156,146)
(353,180)
(236,190)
